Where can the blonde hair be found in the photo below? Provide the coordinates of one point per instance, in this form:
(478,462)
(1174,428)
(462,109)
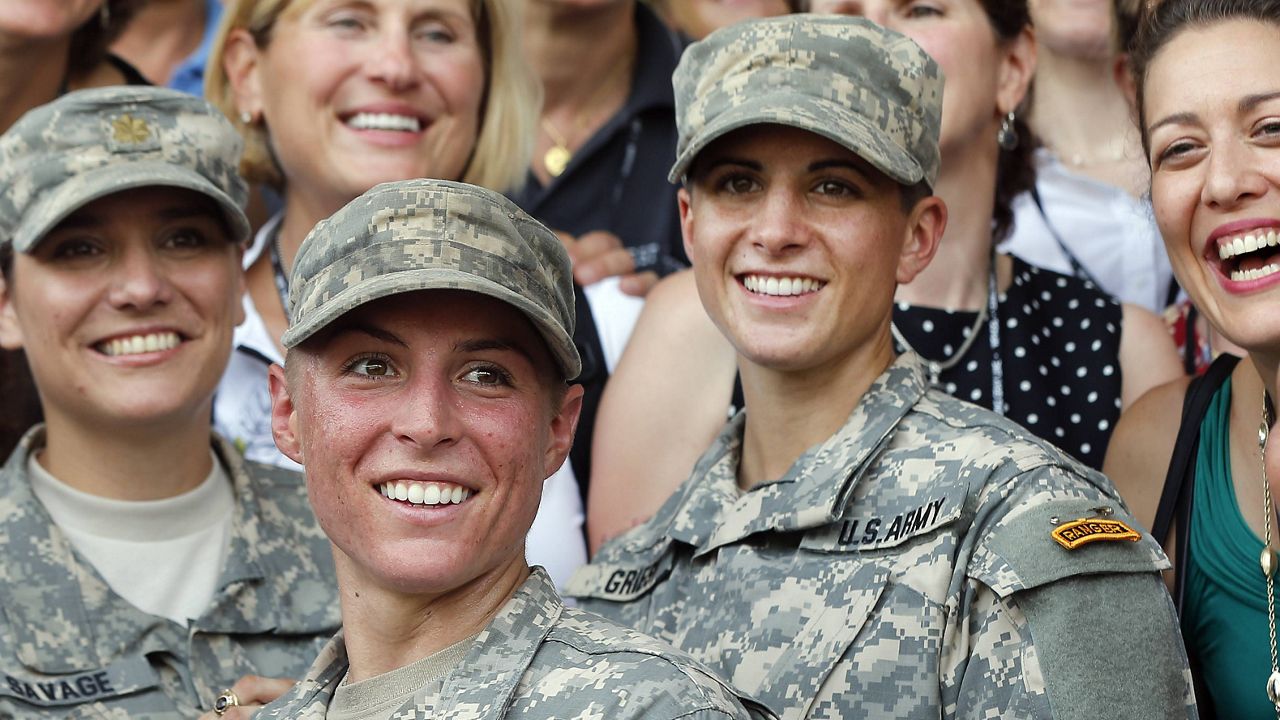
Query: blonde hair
(512,100)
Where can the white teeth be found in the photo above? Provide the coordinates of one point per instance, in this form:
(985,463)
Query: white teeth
(1256,273)
(384,121)
(424,493)
(138,344)
(1247,243)
(781,286)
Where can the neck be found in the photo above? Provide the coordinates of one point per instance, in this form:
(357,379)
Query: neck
(574,51)
(301,213)
(386,629)
(793,411)
(1101,143)
(161,35)
(956,278)
(31,74)
(128,462)
(1267,364)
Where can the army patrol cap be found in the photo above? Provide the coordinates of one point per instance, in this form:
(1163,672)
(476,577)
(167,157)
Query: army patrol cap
(89,144)
(434,235)
(847,79)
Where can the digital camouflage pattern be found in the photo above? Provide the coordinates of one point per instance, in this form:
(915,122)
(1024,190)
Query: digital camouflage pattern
(539,659)
(904,568)
(869,89)
(92,143)
(71,648)
(434,234)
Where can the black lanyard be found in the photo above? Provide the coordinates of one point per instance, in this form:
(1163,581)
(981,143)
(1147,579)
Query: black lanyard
(282,280)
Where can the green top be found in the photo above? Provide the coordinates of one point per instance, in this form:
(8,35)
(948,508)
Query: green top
(1224,618)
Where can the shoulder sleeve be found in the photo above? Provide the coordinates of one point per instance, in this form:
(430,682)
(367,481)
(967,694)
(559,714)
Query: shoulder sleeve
(1066,611)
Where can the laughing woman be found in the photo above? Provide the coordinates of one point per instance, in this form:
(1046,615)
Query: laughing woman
(1209,111)
(144,565)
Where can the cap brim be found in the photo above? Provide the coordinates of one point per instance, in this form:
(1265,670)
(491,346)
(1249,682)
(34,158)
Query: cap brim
(86,187)
(437,279)
(820,116)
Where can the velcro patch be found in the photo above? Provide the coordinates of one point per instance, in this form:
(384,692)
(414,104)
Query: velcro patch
(1076,533)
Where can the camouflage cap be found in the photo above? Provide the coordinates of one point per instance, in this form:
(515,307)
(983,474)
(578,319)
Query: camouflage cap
(434,235)
(847,79)
(92,143)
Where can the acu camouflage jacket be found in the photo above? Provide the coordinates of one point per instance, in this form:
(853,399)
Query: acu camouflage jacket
(539,659)
(72,648)
(905,568)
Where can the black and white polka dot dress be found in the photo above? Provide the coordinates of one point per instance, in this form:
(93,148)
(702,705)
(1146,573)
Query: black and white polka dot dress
(1060,346)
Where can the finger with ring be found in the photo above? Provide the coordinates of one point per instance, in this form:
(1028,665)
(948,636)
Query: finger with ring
(227,699)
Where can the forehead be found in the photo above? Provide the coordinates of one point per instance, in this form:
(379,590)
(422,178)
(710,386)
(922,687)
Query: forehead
(1213,65)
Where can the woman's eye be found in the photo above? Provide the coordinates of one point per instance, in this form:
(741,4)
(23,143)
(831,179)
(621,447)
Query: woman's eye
(371,367)
(834,188)
(75,248)
(922,10)
(1269,128)
(345,22)
(188,238)
(489,376)
(739,184)
(1176,150)
(435,33)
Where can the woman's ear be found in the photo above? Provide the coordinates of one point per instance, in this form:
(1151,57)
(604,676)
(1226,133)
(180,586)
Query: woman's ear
(1017,68)
(10,330)
(241,61)
(925,224)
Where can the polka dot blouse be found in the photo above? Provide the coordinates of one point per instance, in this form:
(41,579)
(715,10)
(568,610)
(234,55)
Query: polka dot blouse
(1060,346)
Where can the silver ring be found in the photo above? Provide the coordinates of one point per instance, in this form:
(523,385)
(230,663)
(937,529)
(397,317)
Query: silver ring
(227,699)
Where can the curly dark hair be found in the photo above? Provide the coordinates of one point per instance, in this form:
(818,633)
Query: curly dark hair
(1162,22)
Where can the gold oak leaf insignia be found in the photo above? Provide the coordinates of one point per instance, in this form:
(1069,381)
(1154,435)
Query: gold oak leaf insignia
(129,129)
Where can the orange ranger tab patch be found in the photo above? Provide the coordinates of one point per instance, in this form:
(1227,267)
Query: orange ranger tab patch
(1072,535)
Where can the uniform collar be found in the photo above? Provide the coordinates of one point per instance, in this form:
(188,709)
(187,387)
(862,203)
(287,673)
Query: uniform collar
(711,512)
(45,583)
(484,682)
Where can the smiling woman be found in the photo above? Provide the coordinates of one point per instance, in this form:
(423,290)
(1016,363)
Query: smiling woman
(1209,112)
(122,282)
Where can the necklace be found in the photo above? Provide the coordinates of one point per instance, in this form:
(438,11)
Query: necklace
(557,157)
(1267,560)
(937,367)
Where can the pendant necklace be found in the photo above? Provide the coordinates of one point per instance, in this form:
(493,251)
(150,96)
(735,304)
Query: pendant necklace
(1267,559)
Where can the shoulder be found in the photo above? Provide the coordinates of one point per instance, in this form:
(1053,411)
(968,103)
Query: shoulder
(1142,445)
(591,662)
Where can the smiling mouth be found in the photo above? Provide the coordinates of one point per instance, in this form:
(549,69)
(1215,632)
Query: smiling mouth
(138,344)
(384,121)
(419,493)
(1249,255)
(781,286)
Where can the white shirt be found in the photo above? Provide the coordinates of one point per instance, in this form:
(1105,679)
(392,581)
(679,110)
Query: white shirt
(163,556)
(1110,232)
